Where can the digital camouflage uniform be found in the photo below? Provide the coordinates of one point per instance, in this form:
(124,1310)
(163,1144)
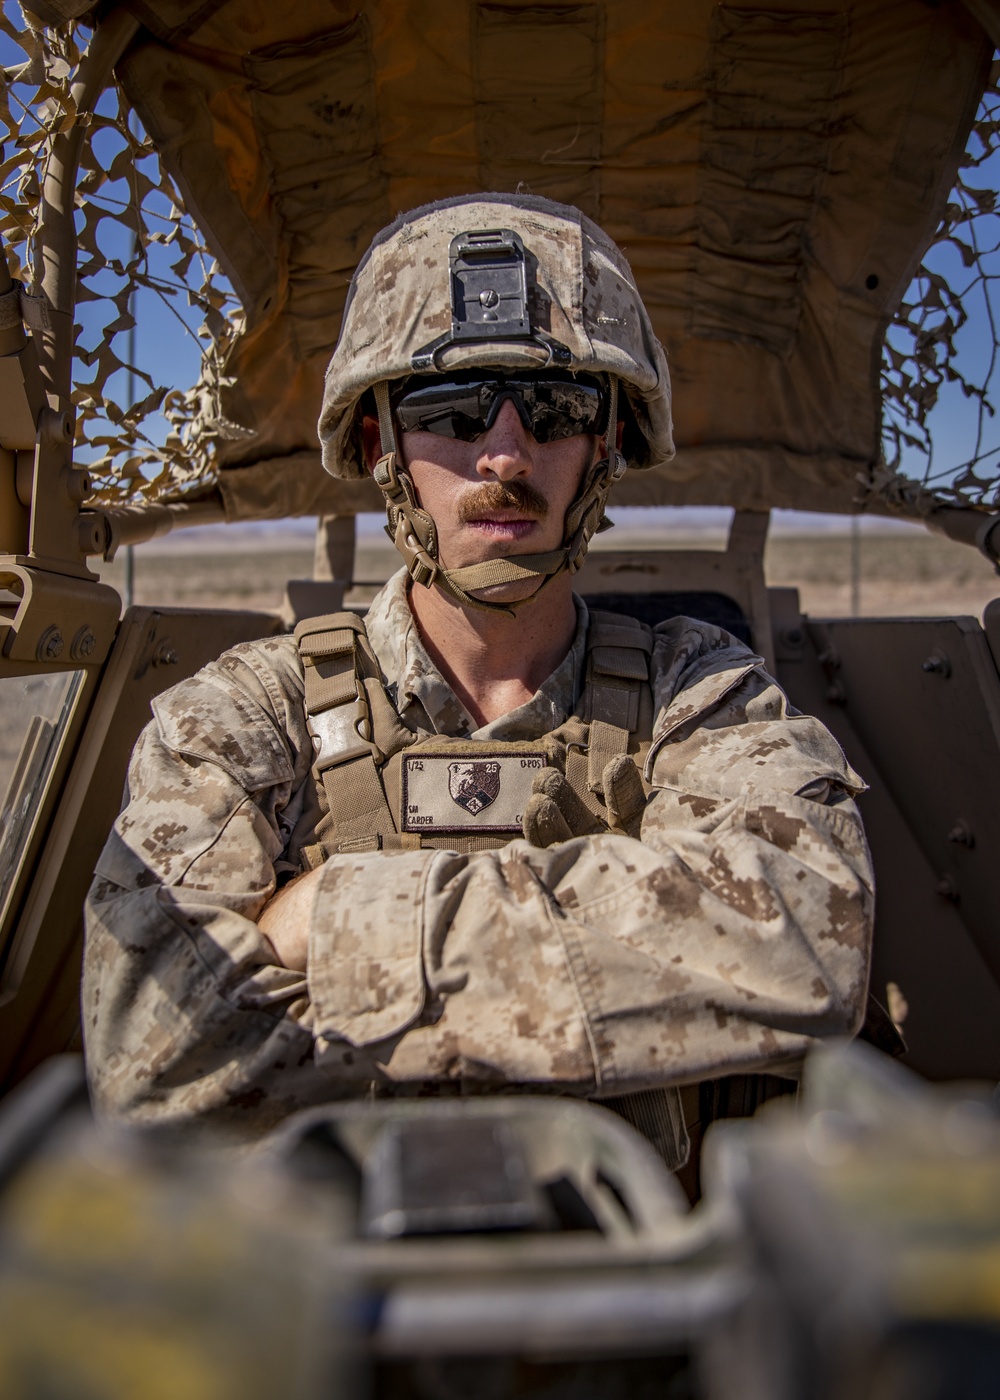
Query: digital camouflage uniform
(735,931)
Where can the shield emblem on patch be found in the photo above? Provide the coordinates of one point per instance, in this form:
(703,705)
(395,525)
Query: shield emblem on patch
(474,785)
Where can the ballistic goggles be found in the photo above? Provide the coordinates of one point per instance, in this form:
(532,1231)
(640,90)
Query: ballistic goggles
(550,405)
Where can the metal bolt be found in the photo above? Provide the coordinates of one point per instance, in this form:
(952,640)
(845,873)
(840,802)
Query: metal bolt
(91,532)
(793,636)
(83,644)
(164,655)
(78,485)
(962,835)
(938,665)
(56,428)
(489,298)
(947,889)
(50,644)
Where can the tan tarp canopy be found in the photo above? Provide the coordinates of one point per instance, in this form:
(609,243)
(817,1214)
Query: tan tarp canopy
(773,172)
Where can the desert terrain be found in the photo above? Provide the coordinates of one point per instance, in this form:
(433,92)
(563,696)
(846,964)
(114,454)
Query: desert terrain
(903,570)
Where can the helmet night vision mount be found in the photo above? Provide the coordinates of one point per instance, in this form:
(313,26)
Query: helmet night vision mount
(489,298)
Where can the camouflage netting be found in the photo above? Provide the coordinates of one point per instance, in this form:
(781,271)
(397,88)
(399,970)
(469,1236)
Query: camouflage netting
(921,353)
(153,442)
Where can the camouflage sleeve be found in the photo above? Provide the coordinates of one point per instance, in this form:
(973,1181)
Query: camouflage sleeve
(185,1013)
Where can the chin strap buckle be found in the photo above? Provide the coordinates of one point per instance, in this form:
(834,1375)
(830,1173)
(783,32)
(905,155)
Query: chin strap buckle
(404,514)
(384,472)
(419,564)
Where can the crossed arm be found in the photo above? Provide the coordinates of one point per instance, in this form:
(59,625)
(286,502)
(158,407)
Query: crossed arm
(735,931)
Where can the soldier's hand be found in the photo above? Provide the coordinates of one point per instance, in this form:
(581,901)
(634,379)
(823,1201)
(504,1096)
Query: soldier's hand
(554,812)
(624,795)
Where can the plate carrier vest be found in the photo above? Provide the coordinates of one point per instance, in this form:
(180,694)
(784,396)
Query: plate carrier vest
(370,767)
(382,787)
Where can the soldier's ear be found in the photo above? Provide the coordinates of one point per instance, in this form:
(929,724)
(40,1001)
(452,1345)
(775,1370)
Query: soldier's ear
(371,441)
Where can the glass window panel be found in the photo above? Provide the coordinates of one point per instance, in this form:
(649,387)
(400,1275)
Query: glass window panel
(34,712)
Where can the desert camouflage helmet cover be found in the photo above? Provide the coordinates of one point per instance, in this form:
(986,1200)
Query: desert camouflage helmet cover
(581,298)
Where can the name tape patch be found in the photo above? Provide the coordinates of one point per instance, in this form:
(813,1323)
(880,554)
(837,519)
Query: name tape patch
(445,792)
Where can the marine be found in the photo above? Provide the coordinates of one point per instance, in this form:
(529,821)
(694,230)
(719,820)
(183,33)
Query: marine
(482,841)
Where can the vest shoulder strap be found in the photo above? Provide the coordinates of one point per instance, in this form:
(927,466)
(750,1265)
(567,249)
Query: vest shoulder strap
(341,674)
(616,701)
(618,652)
(327,647)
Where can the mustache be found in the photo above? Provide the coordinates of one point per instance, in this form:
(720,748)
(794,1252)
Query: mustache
(502,495)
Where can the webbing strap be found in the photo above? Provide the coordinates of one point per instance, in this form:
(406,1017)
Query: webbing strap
(578,777)
(335,654)
(617,678)
(358,805)
(18,307)
(328,663)
(607,741)
(330,635)
(330,682)
(627,663)
(513,570)
(618,651)
(618,630)
(387,432)
(614,702)
(389,735)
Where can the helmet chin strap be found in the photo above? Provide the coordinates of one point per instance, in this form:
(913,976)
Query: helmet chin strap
(414,533)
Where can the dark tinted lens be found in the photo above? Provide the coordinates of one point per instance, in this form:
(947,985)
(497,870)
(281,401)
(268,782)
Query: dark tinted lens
(550,408)
(450,410)
(559,409)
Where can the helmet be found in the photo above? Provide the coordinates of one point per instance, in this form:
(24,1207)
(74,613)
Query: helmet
(499,281)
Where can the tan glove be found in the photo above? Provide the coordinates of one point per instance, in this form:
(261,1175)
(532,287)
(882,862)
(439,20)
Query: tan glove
(624,795)
(554,812)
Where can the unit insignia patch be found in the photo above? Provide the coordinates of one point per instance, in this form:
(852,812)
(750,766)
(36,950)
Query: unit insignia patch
(474,785)
(443,792)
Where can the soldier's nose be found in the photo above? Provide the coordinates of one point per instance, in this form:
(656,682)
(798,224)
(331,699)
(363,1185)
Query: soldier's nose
(505,447)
